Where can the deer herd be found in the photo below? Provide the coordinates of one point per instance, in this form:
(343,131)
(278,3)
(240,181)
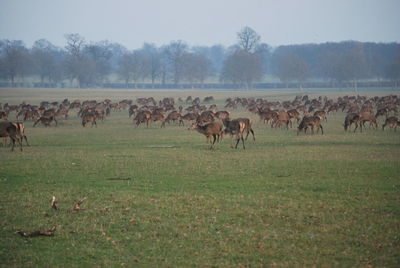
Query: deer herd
(202,116)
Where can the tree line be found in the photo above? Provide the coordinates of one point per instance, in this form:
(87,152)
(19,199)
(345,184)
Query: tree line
(96,64)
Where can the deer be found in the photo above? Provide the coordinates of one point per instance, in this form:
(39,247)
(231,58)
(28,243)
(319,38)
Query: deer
(237,127)
(45,120)
(213,129)
(283,118)
(321,114)
(158,117)
(142,117)
(364,117)
(310,121)
(350,119)
(174,116)
(21,132)
(89,117)
(8,129)
(392,122)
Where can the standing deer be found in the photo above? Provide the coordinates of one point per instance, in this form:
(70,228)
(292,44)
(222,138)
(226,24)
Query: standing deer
(235,128)
(213,129)
(8,129)
(392,122)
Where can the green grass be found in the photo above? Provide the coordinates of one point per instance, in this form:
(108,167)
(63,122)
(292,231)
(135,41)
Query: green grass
(287,200)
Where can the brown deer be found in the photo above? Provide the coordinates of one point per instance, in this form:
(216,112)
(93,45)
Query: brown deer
(364,117)
(392,122)
(174,116)
(248,127)
(235,127)
(213,129)
(89,117)
(350,119)
(321,114)
(8,129)
(21,132)
(45,120)
(310,121)
(158,117)
(142,117)
(282,119)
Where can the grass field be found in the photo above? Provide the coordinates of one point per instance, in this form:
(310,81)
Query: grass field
(288,201)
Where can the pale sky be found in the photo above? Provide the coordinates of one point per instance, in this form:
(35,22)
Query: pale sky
(200,22)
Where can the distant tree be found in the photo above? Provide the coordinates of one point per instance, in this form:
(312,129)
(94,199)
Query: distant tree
(344,65)
(242,68)
(46,59)
(248,39)
(154,60)
(392,72)
(196,68)
(77,66)
(264,52)
(133,66)
(15,60)
(290,67)
(100,55)
(174,52)
(354,64)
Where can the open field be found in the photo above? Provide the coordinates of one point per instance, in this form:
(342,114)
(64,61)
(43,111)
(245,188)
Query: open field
(286,201)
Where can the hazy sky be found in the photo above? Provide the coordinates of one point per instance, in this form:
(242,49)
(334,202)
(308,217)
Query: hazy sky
(200,22)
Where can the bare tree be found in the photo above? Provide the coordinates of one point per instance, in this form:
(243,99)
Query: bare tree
(242,68)
(45,55)
(100,54)
(174,54)
(133,66)
(290,67)
(196,68)
(153,56)
(248,39)
(15,59)
(75,62)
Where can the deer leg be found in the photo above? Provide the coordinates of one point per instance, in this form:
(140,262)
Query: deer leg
(26,139)
(237,142)
(322,130)
(241,137)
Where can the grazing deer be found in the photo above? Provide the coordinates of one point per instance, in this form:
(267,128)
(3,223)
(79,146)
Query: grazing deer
(8,129)
(158,117)
(222,115)
(213,129)
(310,121)
(350,119)
(142,117)
(364,117)
(45,120)
(283,118)
(392,122)
(89,117)
(174,116)
(321,114)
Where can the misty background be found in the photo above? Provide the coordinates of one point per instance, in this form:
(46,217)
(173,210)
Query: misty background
(199,44)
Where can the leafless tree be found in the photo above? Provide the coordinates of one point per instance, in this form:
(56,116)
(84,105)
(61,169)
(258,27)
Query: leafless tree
(242,68)
(248,39)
